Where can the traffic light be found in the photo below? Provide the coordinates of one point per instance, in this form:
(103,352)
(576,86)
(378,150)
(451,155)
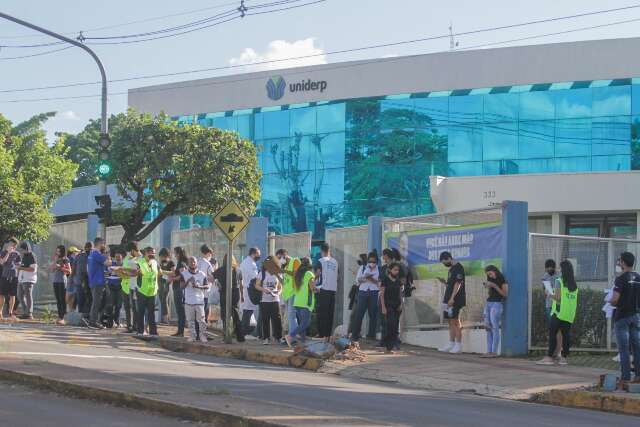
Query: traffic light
(104,166)
(104,208)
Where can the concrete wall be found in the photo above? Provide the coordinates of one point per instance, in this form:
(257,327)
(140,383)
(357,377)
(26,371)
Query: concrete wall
(545,193)
(588,60)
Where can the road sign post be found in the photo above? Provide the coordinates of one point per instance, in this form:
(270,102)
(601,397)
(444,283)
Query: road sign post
(231,220)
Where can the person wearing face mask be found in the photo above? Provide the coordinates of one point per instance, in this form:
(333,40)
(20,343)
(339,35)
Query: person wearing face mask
(455,299)
(391,304)
(27,278)
(248,272)
(289,266)
(549,280)
(9,261)
(326,273)
(626,300)
(146,293)
(195,285)
(368,279)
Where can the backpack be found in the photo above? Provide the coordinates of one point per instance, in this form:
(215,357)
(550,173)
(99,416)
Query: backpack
(255,295)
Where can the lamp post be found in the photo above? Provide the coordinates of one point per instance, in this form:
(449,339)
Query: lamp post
(104,126)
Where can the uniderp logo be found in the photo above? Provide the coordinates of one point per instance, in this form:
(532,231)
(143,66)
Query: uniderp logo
(276,87)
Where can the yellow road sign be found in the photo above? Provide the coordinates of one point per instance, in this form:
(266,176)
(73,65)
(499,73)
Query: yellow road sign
(231,220)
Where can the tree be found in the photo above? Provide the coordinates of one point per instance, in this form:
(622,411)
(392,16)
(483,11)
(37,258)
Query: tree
(83,151)
(164,169)
(32,176)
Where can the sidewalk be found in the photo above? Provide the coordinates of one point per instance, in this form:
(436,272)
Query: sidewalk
(506,378)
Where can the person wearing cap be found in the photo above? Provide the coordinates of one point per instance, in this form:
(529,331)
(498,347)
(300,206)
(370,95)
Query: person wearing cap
(27,277)
(72,284)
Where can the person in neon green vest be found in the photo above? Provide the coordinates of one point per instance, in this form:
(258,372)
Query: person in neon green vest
(147,291)
(289,266)
(563,313)
(303,301)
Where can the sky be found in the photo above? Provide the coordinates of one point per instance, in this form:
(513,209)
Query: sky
(311,30)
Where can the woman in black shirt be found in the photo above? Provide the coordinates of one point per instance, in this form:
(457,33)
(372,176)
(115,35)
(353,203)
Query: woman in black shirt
(178,293)
(391,303)
(498,289)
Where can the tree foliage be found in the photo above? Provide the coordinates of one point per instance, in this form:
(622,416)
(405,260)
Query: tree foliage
(162,169)
(32,176)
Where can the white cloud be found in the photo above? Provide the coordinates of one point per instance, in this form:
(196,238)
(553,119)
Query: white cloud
(68,115)
(282,49)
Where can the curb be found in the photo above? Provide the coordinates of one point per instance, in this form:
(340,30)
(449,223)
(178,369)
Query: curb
(607,402)
(230,352)
(133,401)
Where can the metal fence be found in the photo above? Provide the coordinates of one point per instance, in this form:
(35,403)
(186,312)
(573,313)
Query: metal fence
(191,240)
(423,310)
(594,261)
(297,244)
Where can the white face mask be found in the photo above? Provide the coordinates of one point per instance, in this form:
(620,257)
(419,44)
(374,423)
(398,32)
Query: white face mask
(372,265)
(618,269)
(283,261)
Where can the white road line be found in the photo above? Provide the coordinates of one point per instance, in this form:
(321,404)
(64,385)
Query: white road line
(91,356)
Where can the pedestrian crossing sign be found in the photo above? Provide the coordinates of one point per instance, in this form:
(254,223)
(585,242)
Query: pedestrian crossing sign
(231,220)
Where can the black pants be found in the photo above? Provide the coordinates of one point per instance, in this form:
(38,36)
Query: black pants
(270,312)
(392,320)
(59,292)
(326,308)
(87,298)
(115,300)
(146,306)
(235,313)
(178,301)
(130,303)
(163,294)
(556,325)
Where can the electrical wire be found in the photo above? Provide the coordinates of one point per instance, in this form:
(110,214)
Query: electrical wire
(6,58)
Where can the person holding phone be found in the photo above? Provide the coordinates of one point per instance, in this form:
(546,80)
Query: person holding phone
(368,280)
(61,269)
(391,304)
(455,299)
(498,289)
(9,261)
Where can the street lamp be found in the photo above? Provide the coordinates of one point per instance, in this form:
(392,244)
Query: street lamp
(104,126)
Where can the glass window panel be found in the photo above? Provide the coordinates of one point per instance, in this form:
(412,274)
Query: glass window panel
(431,144)
(612,101)
(540,225)
(499,167)
(277,156)
(573,138)
(362,114)
(226,123)
(573,103)
(245,126)
(330,185)
(465,143)
(396,114)
(466,109)
(465,169)
(332,150)
(537,105)
(611,135)
(573,164)
(303,120)
(501,107)
(611,163)
(635,143)
(500,141)
(431,111)
(331,117)
(635,99)
(258,128)
(276,124)
(536,139)
(535,166)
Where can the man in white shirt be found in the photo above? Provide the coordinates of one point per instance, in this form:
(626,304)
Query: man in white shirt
(195,285)
(27,277)
(249,271)
(208,265)
(130,268)
(368,280)
(327,281)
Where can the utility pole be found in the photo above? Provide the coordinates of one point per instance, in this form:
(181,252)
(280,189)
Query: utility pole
(452,41)
(104,126)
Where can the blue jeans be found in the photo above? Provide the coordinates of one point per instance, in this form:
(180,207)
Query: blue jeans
(492,317)
(292,319)
(304,317)
(367,302)
(628,336)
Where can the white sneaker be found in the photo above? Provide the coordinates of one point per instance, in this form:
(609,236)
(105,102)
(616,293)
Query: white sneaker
(447,347)
(617,358)
(250,338)
(266,342)
(457,348)
(204,339)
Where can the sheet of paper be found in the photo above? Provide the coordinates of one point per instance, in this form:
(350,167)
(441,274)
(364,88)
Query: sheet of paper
(547,287)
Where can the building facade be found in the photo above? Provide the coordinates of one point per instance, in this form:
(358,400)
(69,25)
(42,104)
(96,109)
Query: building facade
(341,142)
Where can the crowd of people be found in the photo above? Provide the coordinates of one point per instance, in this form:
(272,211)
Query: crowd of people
(275,300)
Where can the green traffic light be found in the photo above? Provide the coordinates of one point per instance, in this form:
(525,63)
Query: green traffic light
(104,168)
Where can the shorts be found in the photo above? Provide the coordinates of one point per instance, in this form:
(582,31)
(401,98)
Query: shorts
(72,288)
(455,312)
(9,287)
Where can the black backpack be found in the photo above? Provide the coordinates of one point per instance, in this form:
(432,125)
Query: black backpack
(255,296)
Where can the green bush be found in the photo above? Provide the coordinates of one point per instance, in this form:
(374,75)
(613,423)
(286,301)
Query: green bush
(589,330)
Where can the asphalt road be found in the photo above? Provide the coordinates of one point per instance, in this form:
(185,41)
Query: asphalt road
(26,407)
(122,362)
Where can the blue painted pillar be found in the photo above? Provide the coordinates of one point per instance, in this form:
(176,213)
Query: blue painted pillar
(515,327)
(375,231)
(257,232)
(92,227)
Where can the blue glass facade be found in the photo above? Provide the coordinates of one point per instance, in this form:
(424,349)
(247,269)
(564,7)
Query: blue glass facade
(333,164)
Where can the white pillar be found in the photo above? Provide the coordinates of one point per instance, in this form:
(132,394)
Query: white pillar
(557,223)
